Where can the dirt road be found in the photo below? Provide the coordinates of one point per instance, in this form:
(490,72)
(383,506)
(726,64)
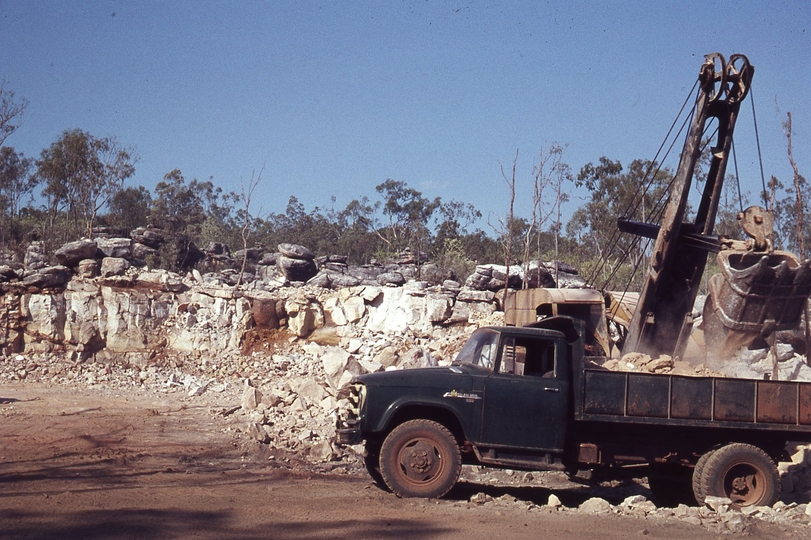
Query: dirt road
(87,464)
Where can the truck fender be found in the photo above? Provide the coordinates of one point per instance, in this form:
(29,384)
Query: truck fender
(404,409)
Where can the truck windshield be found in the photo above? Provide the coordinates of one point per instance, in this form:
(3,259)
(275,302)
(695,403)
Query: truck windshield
(480,349)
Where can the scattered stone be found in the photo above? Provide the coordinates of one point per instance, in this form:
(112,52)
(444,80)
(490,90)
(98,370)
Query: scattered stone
(595,505)
(149,237)
(257,432)
(719,504)
(735,524)
(162,280)
(311,391)
(251,397)
(633,499)
(646,507)
(251,254)
(480,498)
(196,389)
(189,334)
(141,252)
(7,273)
(35,256)
(640,362)
(322,451)
(295,251)
(391,279)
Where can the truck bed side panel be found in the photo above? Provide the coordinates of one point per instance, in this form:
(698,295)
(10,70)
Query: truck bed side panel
(706,401)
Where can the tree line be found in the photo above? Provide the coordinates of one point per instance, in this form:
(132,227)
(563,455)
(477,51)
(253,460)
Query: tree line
(77,185)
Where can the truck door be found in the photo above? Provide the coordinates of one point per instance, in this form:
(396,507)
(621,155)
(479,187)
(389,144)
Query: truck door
(525,399)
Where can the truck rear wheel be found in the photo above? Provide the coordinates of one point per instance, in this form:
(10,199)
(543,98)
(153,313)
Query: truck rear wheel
(743,473)
(698,489)
(420,458)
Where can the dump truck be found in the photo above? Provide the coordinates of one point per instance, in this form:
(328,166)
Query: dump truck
(529,398)
(536,395)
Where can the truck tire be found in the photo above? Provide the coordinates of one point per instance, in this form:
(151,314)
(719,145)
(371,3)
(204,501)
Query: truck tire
(698,489)
(743,473)
(371,460)
(420,458)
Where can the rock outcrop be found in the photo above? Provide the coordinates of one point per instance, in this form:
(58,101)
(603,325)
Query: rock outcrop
(135,314)
(296,262)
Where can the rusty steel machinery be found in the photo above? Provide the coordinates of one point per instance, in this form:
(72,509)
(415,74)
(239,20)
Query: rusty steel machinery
(663,319)
(757,292)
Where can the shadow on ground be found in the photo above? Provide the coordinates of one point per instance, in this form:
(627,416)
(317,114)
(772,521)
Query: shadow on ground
(162,524)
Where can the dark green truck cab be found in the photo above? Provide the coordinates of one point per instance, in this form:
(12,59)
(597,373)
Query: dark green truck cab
(528,398)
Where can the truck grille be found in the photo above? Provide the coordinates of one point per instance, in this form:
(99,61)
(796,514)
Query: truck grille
(350,416)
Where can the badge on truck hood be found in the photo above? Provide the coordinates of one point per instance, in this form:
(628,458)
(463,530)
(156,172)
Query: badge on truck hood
(462,395)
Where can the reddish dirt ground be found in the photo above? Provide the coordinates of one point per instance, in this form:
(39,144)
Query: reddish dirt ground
(87,464)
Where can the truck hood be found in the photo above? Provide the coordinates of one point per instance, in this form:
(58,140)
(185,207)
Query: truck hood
(432,377)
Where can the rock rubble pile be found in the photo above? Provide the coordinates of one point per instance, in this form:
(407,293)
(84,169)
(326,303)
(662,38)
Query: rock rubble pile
(664,364)
(717,515)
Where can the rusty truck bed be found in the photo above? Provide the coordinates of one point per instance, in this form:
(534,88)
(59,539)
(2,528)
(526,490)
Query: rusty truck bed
(695,401)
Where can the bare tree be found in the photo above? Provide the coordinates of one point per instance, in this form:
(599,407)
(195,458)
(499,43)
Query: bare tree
(11,111)
(537,218)
(505,226)
(548,174)
(797,188)
(798,180)
(248,219)
(561,173)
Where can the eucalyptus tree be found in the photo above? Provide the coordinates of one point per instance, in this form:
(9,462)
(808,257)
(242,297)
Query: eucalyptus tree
(409,215)
(81,173)
(129,209)
(638,193)
(190,213)
(16,183)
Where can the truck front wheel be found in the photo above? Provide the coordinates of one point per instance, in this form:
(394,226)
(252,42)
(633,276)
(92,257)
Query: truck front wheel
(743,473)
(371,459)
(420,458)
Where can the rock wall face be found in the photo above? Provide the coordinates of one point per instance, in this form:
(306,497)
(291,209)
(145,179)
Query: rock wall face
(142,314)
(101,302)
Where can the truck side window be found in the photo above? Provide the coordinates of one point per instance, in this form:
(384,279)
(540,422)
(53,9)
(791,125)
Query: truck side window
(540,357)
(521,356)
(512,357)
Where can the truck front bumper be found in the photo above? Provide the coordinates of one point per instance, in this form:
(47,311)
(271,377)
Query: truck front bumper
(348,437)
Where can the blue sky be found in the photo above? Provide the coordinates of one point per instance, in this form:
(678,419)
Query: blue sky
(332,98)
